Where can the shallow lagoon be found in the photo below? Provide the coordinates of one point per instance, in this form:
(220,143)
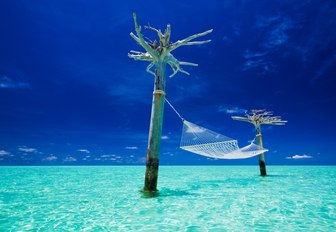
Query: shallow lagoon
(191,198)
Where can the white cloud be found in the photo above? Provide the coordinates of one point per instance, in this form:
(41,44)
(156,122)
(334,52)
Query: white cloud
(107,156)
(87,157)
(324,67)
(70,159)
(51,157)
(84,150)
(231,110)
(8,83)
(169,153)
(249,55)
(111,157)
(3,153)
(195,129)
(164,137)
(28,149)
(208,158)
(131,148)
(277,27)
(258,60)
(266,66)
(299,157)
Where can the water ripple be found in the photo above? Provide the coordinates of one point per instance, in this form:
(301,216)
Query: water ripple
(190,199)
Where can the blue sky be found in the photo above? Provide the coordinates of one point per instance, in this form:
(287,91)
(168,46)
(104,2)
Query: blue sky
(69,94)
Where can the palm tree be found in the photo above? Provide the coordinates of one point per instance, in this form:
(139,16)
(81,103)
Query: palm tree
(258,117)
(158,53)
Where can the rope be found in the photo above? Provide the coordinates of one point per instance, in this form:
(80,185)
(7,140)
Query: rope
(171,106)
(157,91)
(208,143)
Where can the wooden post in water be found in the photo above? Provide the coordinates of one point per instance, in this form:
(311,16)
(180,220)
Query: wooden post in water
(155,130)
(262,163)
(158,53)
(258,117)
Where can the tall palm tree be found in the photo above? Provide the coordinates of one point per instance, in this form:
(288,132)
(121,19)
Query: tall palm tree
(258,117)
(158,53)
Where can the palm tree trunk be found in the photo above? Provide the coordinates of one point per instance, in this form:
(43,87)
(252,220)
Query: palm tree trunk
(155,131)
(262,164)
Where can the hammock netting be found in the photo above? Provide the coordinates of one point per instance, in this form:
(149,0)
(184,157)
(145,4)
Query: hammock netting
(205,142)
(202,141)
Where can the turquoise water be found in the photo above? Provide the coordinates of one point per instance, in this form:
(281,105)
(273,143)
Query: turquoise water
(206,198)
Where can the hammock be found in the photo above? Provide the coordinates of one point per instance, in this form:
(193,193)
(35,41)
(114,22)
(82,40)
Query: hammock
(202,141)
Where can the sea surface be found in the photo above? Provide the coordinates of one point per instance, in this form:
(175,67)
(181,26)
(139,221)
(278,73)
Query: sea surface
(191,198)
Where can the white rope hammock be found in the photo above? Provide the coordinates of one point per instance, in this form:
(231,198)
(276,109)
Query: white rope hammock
(202,141)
